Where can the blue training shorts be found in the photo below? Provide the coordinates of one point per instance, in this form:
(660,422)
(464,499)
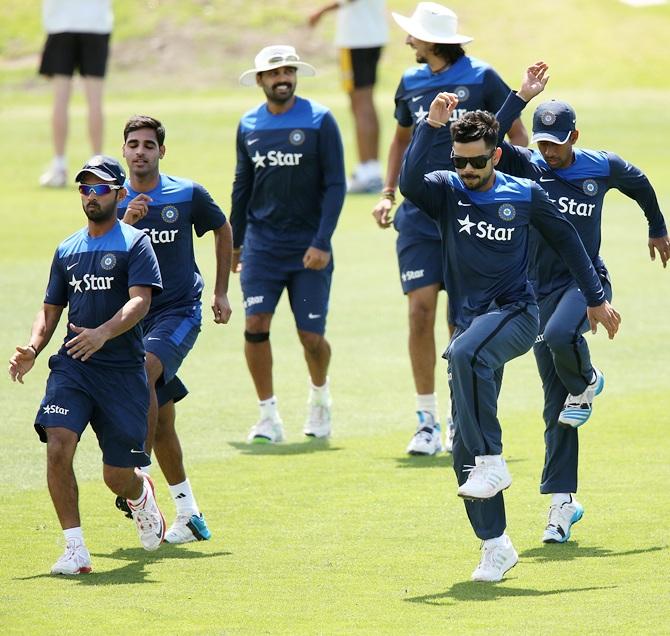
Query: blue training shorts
(420,263)
(114,400)
(170,335)
(264,277)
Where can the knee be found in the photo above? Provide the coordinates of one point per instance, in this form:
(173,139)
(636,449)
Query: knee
(421,316)
(311,342)
(61,444)
(460,353)
(557,337)
(154,368)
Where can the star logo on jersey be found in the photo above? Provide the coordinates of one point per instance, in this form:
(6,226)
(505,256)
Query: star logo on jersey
(590,187)
(108,261)
(462,93)
(259,160)
(466,225)
(506,212)
(296,137)
(76,284)
(169,214)
(420,114)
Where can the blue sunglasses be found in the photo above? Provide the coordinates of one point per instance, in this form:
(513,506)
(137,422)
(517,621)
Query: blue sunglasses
(99,189)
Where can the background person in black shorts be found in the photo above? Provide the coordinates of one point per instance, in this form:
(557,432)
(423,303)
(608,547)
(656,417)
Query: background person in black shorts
(362,31)
(78,34)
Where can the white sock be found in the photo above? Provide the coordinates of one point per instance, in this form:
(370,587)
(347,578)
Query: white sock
(319,394)
(371,169)
(59,162)
(501,540)
(559,498)
(141,500)
(269,408)
(74,534)
(184,499)
(427,402)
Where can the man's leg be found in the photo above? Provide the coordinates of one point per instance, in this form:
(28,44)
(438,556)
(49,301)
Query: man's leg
(366,123)
(317,355)
(167,446)
(56,174)
(422,304)
(154,369)
(61,446)
(93,87)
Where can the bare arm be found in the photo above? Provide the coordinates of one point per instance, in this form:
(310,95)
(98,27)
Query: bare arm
(382,211)
(44,325)
(517,134)
(223,251)
(88,341)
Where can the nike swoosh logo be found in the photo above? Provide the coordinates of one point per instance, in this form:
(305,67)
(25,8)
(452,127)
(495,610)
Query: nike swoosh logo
(543,180)
(132,450)
(69,267)
(417,98)
(313,316)
(465,205)
(251,142)
(153,338)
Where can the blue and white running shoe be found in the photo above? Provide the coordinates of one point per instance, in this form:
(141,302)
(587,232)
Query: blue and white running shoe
(578,408)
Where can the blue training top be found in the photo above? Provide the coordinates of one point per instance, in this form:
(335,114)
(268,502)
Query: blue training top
(178,207)
(477,85)
(289,180)
(579,191)
(92,276)
(485,234)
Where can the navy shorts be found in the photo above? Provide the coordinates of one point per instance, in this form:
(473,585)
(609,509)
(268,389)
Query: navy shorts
(64,53)
(359,67)
(114,401)
(420,264)
(264,277)
(170,336)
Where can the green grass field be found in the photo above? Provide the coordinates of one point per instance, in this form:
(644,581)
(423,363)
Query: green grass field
(351,536)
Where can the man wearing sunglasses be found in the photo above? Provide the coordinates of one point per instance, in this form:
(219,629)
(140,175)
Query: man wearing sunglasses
(287,196)
(105,274)
(432,32)
(169,209)
(484,218)
(577,180)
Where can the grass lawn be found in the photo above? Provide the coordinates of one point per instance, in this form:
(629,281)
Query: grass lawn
(350,536)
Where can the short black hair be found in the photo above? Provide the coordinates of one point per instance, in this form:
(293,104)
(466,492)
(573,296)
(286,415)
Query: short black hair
(475,125)
(450,53)
(137,122)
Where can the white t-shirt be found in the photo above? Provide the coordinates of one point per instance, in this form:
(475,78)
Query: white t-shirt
(77,16)
(361,24)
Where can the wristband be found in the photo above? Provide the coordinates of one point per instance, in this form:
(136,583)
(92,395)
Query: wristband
(389,193)
(33,348)
(434,123)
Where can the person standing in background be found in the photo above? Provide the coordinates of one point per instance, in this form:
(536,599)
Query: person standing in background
(78,34)
(360,35)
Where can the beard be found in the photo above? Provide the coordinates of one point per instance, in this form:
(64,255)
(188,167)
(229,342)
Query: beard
(99,213)
(280,93)
(473,181)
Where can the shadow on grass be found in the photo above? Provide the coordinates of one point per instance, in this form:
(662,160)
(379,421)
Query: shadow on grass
(430,461)
(135,570)
(472,591)
(302,448)
(570,551)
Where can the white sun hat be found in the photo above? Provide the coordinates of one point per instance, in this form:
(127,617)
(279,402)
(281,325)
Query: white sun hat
(431,22)
(272,57)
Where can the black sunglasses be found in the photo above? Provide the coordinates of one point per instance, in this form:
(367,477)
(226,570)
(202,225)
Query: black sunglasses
(477,162)
(99,189)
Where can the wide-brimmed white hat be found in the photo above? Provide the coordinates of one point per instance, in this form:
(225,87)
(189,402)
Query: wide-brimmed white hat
(272,57)
(431,22)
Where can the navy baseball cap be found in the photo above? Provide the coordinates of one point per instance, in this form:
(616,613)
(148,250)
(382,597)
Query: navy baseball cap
(553,121)
(105,168)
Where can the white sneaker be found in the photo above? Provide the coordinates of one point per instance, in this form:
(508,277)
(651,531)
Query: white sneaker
(449,438)
(578,408)
(75,559)
(318,422)
(495,562)
(428,437)
(54,177)
(266,431)
(371,185)
(561,518)
(187,528)
(487,478)
(148,518)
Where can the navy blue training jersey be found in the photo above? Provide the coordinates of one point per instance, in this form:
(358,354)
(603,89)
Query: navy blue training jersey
(485,234)
(289,180)
(178,207)
(578,191)
(477,85)
(92,276)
